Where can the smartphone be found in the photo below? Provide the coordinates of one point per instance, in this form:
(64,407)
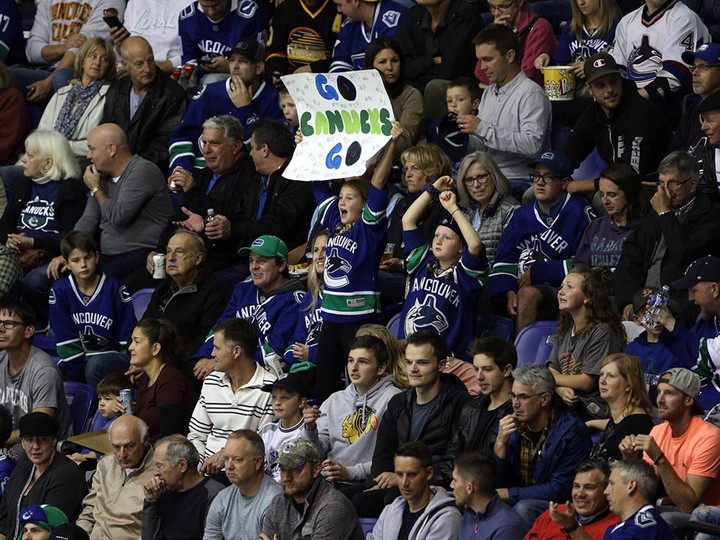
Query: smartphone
(112,21)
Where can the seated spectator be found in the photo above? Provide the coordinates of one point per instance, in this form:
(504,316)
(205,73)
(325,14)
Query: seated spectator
(239,510)
(74,110)
(325,511)
(146,104)
(473,485)
(246,96)
(494,359)
(396,365)
(539,446)
(13,114)
(682,228)
(588,513)
(535,36)
(231,396)
(290,396)
(345,426)
(113,508)
(622,126)
(164,398)
(630,492)
(12,40)
(447,306)
(36,522)
(365,20)
(44,477)
(462,96)
(620,192)
(70,530)
(536,248)
(58,30)
(514,116)
(438,398)
(419,506)
(588,329)
(622,387)
(190,296)
(270,301)
(177,496)
(302,33)
(157,23)
(684,448)
(435,39)
(709,109)
(384,54)
(91,314)
(44,205)
(484,192)
(29,379)
(210,29)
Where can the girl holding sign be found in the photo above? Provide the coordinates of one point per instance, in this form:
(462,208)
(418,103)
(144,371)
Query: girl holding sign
(358,233)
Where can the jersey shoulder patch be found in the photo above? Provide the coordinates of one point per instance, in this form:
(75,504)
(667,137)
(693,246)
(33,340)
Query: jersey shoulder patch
(391,18)
(189,11)
(246,9)
(125,295)
(644,520)
(200,92)
(298,296)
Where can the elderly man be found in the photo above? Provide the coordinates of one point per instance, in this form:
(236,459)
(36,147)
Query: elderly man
(309,503)
(630,491)
(588,516)
(147,105)
(177,497)
(190,296)
(113,508)
(238,511)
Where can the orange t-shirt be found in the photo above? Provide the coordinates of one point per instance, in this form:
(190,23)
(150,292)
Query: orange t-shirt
(697,452)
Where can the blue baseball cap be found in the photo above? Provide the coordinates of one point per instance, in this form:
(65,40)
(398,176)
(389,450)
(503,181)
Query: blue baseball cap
(708,52)
(556,161)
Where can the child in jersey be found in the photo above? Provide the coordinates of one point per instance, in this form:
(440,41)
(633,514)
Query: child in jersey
(446,276)
(358,233)
(289,111)
(289,397)
(91,314)
(462,97)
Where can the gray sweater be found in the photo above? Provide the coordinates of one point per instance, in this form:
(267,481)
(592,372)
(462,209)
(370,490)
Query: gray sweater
(136,212)
(439,521)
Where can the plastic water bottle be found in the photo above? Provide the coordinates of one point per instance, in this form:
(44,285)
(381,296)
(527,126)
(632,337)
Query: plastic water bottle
(657,302)
(210,215)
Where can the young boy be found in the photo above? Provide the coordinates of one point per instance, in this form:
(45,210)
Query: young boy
(289,111)
(462,97)
(289,398)
(91,314)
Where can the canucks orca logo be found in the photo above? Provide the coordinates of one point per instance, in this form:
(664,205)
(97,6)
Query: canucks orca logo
(644,62)
(91,341)
(357,423)
(313,336)
(532,254)
(425,316)
(334,263)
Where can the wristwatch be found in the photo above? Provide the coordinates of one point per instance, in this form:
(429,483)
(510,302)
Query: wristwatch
(94,190)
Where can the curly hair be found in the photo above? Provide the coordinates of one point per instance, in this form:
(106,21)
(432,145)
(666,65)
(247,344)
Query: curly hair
(631,369)
(430,159)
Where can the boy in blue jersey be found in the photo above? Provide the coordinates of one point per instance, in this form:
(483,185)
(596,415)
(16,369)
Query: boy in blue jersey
(91,314)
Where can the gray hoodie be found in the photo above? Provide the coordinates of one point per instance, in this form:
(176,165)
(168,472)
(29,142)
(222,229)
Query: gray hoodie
(348,429)
(439,521)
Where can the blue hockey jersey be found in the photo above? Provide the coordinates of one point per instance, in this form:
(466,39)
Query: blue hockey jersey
(87,325)
(352,258)
(307,330)
(12,41)
(645,524)
(349,51)
(214,100)
(200,36)
(444,302)
(274,316)
(546,244)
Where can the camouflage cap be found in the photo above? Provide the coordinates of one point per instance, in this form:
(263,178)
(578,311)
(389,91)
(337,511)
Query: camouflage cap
(296,452)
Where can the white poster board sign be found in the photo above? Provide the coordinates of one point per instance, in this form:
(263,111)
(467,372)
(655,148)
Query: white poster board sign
(345,119)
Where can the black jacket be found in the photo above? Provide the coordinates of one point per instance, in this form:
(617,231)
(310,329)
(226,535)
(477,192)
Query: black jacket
(470,433)
(452,41)
(698,235)
(394,428)
(69,206)
(637,134)
(194,309)
(158,116)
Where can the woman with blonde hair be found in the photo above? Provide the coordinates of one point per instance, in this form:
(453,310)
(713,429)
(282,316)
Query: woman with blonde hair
(622,387)
(396,365)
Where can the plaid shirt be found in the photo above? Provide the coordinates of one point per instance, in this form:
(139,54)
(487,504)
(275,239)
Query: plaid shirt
(10,270)
(529,452)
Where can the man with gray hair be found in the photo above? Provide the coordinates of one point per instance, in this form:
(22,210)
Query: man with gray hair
(239,510)
(539,445)
(177,497)
(631,487)
(682,228)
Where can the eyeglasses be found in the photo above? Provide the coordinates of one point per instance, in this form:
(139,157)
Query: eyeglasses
(481,179)
(546,178)
(703,67)
(9,324)
(500,8)
(674,184)
(521,397)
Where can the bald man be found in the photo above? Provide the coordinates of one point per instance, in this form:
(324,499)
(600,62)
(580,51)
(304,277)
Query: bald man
(147,104)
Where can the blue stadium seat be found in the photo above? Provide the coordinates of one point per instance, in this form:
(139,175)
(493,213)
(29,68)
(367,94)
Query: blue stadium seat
(394,325)
(590,168)
(81,400)
(534,342)
(367,525)
(493,325)
(140,301)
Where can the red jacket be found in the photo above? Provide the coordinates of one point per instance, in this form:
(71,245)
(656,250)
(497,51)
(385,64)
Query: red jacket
(13,124)
(545,528)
